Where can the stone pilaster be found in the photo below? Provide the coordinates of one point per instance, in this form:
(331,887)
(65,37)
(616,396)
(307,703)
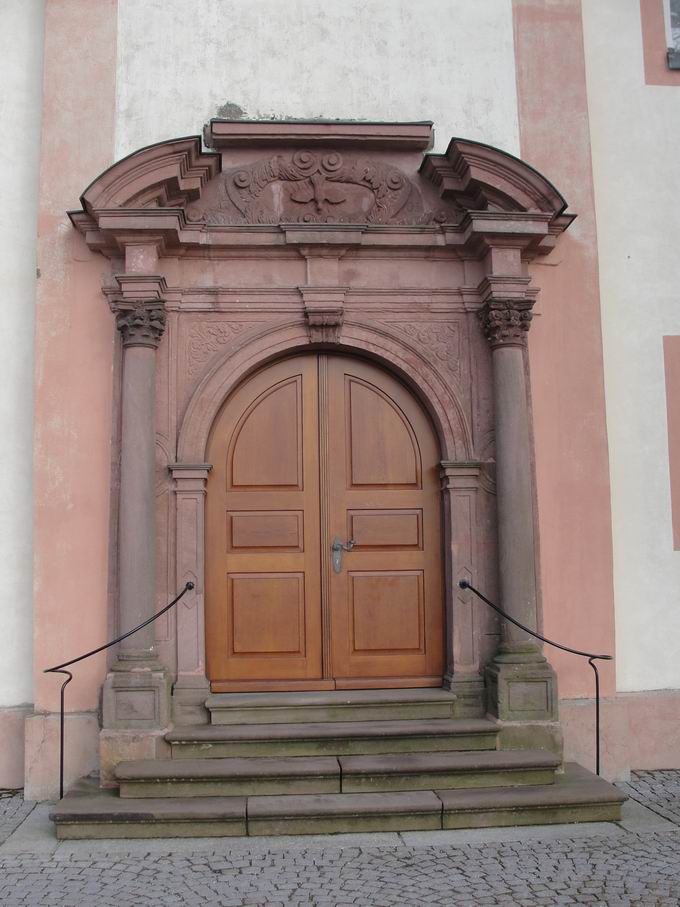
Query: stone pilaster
(136,690)
(191,688)
(460,485)
(521,685)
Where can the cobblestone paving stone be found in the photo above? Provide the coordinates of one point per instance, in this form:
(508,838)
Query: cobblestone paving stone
(13,810)
(618,870)
(659,790)
(624,869)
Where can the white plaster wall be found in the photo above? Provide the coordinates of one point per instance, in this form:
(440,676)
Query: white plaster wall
(450,61)
(21,49)
(635,132)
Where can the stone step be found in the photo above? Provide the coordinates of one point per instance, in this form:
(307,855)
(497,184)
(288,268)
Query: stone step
(335,738)
(336,813)
(428,771)
(576,796)
(258,775)
(228,777)
(335,705)
(104,815)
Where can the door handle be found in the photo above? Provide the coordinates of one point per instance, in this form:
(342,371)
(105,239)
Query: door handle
(337,548)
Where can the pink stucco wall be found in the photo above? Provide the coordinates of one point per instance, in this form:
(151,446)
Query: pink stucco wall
(565,342)
(74,352)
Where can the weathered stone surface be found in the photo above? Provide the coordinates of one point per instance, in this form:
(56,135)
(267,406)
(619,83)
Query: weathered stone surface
(228,777)
(105,816)
(344,813)
(332,738)
(576,796)
(427,771)
(336,705)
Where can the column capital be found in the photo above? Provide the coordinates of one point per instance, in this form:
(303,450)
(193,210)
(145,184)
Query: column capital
(141,323)
(506,322)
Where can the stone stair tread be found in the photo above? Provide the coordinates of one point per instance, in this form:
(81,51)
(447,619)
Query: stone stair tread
(230,767)
(476,761)
(101,807)
(328,698)
(328,805)
(575,787)
(332,729)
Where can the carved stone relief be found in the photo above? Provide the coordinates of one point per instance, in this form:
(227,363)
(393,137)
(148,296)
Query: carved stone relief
(441,340)
(310,187)
(208,337)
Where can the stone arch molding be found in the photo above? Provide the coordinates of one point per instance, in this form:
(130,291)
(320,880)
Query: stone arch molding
(238,360)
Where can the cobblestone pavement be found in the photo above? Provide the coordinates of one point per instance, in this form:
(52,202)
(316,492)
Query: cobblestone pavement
(634,863)
(13,811)
(659,791)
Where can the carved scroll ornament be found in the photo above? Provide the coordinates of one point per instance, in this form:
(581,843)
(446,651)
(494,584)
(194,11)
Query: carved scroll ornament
(310,187)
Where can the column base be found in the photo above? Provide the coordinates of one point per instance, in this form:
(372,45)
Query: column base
(469,690)
(136,697)
(188,700)
(521,690)
(531,735)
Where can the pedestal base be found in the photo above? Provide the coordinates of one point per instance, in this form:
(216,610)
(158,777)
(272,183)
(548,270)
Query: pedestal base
(469,690)
(188,700)
(136,698)
(525,691)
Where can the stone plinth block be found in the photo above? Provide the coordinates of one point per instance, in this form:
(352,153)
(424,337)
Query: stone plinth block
(521,692)
(136,699)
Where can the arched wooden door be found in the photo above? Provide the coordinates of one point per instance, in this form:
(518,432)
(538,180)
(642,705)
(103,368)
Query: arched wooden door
(315,449)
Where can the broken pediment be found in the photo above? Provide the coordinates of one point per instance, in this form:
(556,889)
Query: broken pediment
(292,175)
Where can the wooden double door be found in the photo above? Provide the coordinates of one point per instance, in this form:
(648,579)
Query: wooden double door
(310,453)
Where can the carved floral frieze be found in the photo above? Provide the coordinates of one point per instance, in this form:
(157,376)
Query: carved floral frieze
(209,337)
(440,339)
(311,187)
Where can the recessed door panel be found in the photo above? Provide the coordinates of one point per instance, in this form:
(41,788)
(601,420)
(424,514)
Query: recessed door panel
(265,530)
(266,450)
(382,449)
(386,612)
(266,614)
(386,528)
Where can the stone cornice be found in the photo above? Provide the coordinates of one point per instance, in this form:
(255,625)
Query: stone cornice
(224,133)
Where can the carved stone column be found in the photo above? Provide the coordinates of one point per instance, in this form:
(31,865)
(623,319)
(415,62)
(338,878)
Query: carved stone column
(520,683)
(136,691)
